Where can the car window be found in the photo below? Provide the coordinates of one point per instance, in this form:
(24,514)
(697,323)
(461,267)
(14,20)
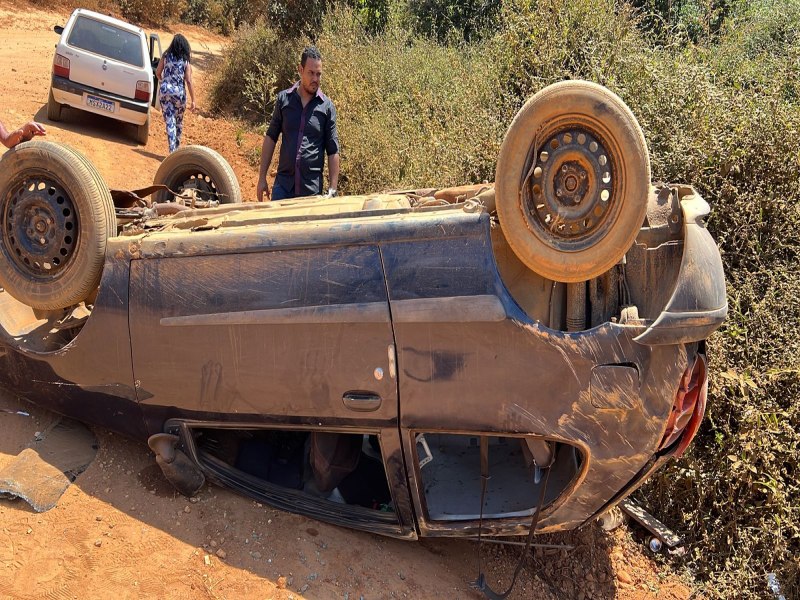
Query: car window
(107,40)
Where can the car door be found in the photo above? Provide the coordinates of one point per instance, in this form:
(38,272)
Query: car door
(297,339)
(300,335)
(155,58)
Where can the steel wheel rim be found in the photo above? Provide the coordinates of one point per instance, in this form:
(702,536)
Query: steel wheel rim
(570,196)
(40,227)
(198,181)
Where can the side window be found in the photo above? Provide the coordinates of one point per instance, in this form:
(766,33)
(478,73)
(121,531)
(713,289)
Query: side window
(346,469)
(449,466)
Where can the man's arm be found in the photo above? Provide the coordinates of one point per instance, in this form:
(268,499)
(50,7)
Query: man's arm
(332,149)
(268,149)
(333,171)
(23,134)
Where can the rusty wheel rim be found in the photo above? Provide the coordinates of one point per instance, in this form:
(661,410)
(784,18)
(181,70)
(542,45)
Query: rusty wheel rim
(569,195)
(40,227)
(197,182)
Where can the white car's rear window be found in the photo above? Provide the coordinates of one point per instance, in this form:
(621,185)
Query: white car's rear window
(107,40)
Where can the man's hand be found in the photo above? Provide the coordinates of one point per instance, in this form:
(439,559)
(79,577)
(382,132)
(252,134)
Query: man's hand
(31,130)
(261,189)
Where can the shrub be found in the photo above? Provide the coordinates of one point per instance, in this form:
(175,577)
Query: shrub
(152,11)
(467,19)
(411,112)
(259,62)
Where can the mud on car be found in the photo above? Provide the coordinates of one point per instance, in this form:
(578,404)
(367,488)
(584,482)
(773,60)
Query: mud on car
(429,362)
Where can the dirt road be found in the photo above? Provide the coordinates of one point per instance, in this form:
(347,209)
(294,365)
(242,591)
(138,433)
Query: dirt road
(26,56)
(121,532)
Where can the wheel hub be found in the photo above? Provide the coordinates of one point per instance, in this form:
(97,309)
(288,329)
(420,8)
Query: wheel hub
(40,228)
(202,185)
(571,185)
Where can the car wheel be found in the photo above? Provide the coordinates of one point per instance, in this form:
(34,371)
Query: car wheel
(56,215)
(200,169)
(572,181)
(143,132)
(53,108)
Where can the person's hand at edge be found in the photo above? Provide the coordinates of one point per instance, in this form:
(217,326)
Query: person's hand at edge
(32,129)
(261,189)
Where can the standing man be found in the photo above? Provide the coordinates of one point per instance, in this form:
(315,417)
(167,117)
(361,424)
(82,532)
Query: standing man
(307,119)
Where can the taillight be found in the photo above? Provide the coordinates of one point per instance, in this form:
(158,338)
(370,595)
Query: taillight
(61,66)
(143,91)
(689,407)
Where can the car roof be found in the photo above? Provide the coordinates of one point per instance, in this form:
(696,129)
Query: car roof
(107,19)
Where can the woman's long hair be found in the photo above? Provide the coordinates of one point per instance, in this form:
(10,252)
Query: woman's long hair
(179,48)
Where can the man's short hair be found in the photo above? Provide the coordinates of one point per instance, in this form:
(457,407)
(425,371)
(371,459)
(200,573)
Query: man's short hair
(310,52)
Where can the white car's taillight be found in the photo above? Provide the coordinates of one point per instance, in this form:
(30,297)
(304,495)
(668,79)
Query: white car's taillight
(61,66)
(143,90)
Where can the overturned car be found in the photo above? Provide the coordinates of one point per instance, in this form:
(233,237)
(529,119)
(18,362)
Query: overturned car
(488,359)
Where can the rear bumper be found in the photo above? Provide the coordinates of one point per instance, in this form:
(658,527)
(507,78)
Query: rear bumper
(74,95)
(698,304)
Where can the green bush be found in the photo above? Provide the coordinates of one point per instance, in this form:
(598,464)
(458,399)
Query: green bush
(216,14)
(259,62)
(152,11)
(467,19)
(700,20)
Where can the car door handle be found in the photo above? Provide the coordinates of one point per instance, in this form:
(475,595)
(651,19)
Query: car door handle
(361,401)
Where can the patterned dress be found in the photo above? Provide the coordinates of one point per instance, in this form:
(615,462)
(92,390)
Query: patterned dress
(173,98)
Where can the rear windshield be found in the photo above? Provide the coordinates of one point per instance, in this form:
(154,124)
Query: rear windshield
(107,40)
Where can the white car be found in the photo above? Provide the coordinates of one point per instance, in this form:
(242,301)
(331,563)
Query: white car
(103,65)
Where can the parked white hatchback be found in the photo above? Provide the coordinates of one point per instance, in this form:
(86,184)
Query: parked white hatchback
(102,65)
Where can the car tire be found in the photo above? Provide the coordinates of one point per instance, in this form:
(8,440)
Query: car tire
(143,132)
(51,193)
(572,218)
(200,168)
(53,108)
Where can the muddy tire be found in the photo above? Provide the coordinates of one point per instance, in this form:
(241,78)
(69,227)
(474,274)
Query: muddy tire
(56,215)
(143,132)
(199,168)
(53,108)
(572,181)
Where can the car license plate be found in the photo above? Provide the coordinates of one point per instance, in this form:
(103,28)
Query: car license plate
(95,102)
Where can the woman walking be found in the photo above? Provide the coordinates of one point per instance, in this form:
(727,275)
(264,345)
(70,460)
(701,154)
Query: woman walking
(174,70)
